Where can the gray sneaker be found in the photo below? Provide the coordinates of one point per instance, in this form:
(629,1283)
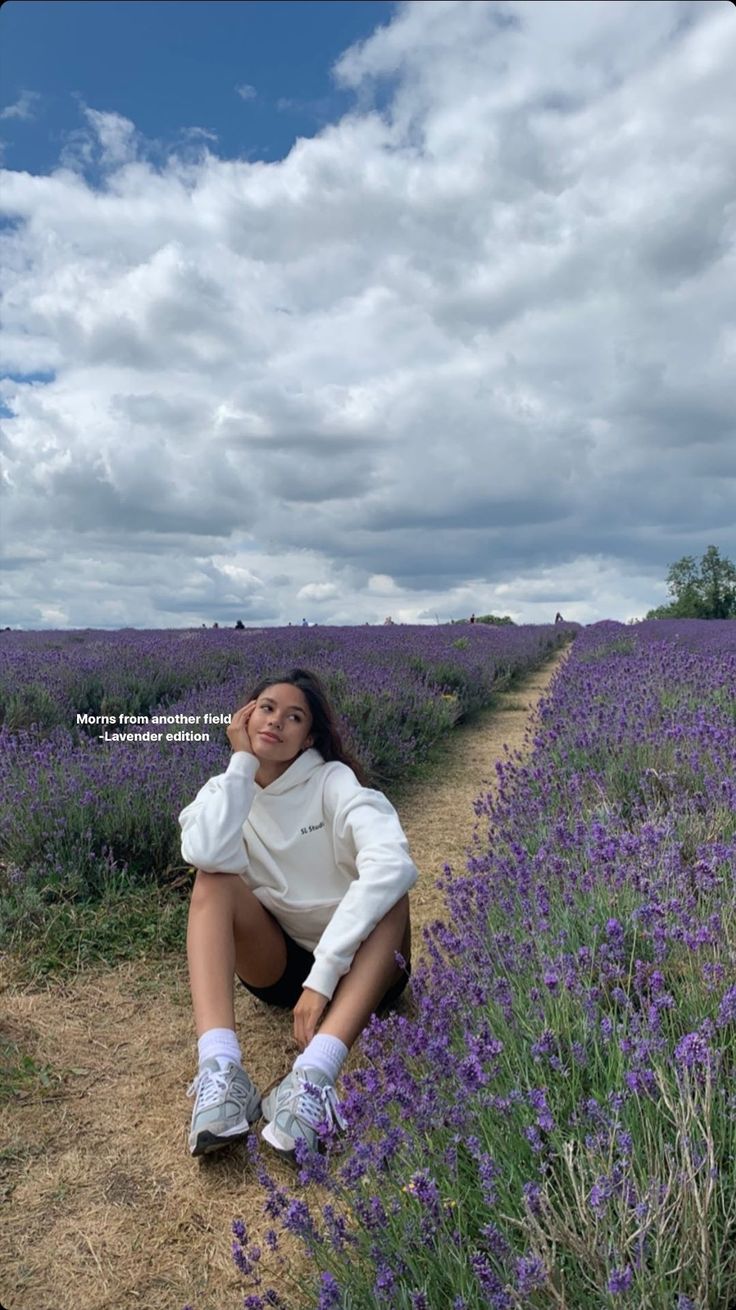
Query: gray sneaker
(227,1104)
(303,1105)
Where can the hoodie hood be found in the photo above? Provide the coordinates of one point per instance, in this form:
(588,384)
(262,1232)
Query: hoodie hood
(297,773)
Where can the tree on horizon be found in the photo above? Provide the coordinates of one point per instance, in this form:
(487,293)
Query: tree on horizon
(701,591)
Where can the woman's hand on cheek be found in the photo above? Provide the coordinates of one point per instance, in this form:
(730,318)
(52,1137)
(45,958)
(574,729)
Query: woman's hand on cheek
(237,730)
(307,1013)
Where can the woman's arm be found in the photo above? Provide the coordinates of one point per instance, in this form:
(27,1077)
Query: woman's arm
(366,830)
(212,826)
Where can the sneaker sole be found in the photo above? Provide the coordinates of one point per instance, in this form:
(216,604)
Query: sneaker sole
(274,1139)
(206,1142)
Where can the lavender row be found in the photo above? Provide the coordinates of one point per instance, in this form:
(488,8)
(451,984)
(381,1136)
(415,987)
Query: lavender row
(47,678)
(557,1125)
(79,806)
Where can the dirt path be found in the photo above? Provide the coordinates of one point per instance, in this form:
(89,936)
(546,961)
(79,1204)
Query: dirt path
(103,1207)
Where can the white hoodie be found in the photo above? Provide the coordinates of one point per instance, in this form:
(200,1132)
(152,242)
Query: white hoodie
(327,857)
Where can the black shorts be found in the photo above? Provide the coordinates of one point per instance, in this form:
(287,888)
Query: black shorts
(299,961)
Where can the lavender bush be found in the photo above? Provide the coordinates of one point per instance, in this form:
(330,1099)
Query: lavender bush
(78,810)
(557,1125)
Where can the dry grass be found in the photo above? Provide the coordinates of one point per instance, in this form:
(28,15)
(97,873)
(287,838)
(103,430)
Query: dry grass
(104,1208)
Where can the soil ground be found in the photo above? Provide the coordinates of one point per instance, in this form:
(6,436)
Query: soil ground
(104,1209)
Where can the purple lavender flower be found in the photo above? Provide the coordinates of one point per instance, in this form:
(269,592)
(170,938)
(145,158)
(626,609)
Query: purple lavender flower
(298,1220)
(495,1240)
(537,1097)
(692,1051)
(424,1188)
(488,1173)
(240,1259)
(489,1282)
(530,1274)
(620,1280)
(727,1008)
(385,1281)
(329,1292)
(625,1143)
(643,1082)
(532,1134)
(532,1197)
(579,825)
(545,1045)
(600,1194)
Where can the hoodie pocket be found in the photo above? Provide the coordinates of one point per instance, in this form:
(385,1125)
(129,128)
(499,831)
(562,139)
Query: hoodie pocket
(304,921)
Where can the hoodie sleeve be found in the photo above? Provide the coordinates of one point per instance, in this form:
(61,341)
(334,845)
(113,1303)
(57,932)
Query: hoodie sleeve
(212,826)
(366,832)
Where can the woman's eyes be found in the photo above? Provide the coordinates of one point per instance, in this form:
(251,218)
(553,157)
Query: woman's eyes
(298,717)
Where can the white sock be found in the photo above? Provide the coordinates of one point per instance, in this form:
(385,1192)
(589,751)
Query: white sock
(220,1044)
(325,1053)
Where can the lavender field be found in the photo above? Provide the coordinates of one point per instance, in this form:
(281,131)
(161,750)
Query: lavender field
(557,1125)
(87,795)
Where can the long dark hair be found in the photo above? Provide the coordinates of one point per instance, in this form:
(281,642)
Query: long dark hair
(324,730)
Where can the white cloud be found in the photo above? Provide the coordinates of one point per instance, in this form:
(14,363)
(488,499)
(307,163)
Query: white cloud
(53,617)
(380,584)
(23,108)
(242,577)
(471,352)
(109,139)
(116,136)
(318,591)
(246,91)
(199,134)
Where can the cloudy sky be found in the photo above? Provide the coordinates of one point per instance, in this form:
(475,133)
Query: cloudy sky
(339,310)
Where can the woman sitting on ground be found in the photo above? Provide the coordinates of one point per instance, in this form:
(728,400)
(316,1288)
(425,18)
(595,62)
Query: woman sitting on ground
(301,892)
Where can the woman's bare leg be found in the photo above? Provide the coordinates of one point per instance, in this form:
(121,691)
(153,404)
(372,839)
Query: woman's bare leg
(372,972)
(229,931)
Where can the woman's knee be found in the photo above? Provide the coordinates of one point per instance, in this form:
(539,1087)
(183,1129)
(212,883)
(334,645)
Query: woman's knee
(213,888)
(400,911)
(404,926)
(398,922)
(226,894)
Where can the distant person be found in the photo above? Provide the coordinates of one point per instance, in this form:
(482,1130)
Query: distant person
(472,618)
(388,621)
(559,618)
(304,623)
(215,625)
(311,924)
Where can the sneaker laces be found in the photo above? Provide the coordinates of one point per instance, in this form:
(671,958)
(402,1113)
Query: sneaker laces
(210,1085)
(315,1104)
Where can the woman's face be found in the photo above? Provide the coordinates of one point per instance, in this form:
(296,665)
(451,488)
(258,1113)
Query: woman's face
(279,727)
